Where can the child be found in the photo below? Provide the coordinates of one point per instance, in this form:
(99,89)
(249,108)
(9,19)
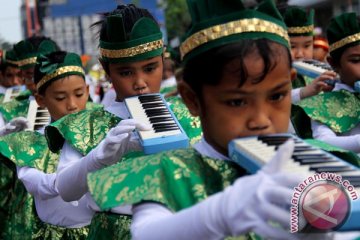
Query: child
(10,72)
(237,79)
(321,49)
(300,30)
(335,117)
(131,49)
(26,52)
(61,88)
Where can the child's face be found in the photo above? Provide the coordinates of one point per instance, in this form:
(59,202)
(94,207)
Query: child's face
(349,69)
(136,78)
(301,47)
(228,111)
(11,77)
(64,96)
(28,76)
(168,68)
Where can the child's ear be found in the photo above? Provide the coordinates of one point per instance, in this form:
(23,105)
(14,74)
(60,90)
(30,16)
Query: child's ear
(293,74)
(40,100)
(189,97)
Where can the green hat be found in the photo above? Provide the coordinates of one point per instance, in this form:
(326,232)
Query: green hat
(299,22)
(343,31)
(219,22)
(50,70)
(27,53)
(144,41)
(11,58)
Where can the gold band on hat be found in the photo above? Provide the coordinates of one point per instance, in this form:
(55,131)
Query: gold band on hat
(58,72)
(344,41)
(12,62)
(301,30)
(26,61)
(231,28)
(132,51)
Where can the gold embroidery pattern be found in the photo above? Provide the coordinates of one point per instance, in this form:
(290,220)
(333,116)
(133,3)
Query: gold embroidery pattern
(133,51)
(345,41)
(59,72)
(300,30)
(189,123)
(339,110)
(231,28)
(178,179)
(16,148)
(27,61)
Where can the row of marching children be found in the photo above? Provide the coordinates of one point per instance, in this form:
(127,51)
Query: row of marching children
(85,175)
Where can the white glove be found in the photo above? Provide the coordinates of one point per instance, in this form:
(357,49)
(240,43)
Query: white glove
(116,144)
(15,125)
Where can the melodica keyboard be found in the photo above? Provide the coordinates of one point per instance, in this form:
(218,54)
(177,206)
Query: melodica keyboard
(166,131)
(252,153)
(38,117)
(313,68)
(13,92)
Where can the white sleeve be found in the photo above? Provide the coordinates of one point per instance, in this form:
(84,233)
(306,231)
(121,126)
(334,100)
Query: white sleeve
(324,133)
(295,95)
(2,121)
(71,174)
(38,183)
(154,221)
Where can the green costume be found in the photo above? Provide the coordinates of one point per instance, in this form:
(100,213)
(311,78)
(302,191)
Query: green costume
(22,221)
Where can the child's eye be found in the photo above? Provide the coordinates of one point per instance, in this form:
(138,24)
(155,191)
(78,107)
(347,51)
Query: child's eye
(236,102)
(149,69)
(60,98)
(79,95)
(125,73)
(277,97)
(355,60)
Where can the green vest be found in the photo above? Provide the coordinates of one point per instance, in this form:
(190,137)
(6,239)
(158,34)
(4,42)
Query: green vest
(14,108)
(339,110)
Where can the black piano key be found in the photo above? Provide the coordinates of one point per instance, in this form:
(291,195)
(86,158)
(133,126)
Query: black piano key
(152,105)
(311,161)
(331,169)
(155,112)
(149,98)
(160,119)
(166,129)
(158,125)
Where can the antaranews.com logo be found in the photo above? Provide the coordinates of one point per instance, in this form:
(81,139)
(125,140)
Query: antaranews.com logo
(321,202)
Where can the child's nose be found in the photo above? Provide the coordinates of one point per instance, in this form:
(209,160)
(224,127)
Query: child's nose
(259,120)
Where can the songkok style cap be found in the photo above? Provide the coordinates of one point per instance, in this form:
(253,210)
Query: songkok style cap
(343,31)
(144,41)
(10,58)
(51,71)
(299,22)
(220,22)
(27,53)
(321,42)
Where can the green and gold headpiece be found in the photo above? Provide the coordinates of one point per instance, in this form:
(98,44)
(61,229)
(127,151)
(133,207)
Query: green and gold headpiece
(27,53)
(299,22)
(144,41)
(219,22)
(11,58)
(343,31)
(51,71)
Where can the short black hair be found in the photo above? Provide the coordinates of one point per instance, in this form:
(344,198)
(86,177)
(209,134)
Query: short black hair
(207,68)
(130,13)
